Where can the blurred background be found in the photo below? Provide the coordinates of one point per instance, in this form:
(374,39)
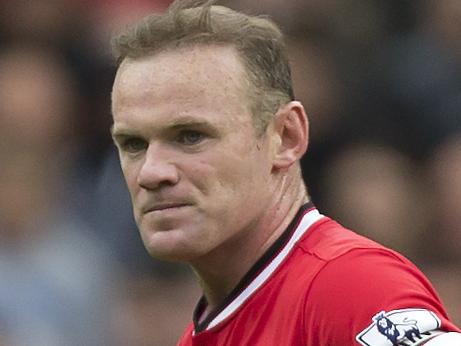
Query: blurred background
(381,81)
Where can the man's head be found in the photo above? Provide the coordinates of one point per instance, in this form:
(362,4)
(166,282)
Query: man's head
(258,41)
(200,173)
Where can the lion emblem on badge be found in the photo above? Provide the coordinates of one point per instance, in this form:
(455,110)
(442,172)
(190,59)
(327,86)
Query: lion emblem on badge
(396,332)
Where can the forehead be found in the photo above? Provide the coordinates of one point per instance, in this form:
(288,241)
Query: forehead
(202,75)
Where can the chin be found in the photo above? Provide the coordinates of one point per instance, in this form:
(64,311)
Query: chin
(171,245)
(173,255)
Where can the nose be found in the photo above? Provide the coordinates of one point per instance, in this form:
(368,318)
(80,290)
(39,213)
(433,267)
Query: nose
(157,169)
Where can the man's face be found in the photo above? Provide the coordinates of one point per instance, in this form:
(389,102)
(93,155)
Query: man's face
(198,175)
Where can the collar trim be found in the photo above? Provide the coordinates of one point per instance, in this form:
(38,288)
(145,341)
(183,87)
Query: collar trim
(261,270)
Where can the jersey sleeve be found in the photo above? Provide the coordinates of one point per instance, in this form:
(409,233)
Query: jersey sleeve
(186,338)
(372,294)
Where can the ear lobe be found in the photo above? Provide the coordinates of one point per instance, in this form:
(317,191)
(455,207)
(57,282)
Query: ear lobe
(292,128)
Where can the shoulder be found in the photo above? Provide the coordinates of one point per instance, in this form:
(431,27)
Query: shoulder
(364,276)
(358,280)
(356,266)
(186,338)
(348,259)
(328,240)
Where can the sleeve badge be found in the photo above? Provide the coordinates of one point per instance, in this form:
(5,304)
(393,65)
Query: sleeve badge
(406,327)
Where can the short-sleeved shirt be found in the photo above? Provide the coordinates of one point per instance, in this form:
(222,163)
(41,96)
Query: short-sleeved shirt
(323,285)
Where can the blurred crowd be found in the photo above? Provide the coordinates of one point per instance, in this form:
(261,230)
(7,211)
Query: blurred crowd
(381,81)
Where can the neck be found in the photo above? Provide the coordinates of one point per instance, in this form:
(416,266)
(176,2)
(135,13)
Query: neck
(222,270)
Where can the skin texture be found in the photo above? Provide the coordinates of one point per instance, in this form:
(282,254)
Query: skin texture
(205,189)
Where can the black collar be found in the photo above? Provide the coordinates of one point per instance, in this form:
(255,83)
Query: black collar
(250,275)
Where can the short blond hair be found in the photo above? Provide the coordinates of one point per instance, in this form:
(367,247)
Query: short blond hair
(258,40)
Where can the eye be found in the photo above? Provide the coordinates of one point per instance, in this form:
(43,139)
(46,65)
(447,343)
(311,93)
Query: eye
(133,145)
(190,137)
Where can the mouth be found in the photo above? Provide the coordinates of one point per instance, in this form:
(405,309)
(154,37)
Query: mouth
(165,207)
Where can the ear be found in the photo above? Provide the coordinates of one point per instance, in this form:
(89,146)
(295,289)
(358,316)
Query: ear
(292,134)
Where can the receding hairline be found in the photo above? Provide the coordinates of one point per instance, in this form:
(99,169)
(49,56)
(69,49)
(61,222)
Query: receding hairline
(183,47)
(192,47)
(232,66)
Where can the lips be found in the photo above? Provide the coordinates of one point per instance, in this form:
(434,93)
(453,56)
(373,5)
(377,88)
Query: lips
(165,206)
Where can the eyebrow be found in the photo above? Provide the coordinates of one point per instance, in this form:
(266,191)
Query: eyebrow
(188,122)
(176,124)
(121,133)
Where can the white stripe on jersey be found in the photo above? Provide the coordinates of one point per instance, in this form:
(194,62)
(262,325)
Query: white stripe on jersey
(307,221)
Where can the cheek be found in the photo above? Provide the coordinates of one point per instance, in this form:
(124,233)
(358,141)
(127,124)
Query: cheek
(233,177)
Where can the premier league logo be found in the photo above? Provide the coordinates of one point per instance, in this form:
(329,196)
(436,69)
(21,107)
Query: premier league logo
(395,332)
(406,327)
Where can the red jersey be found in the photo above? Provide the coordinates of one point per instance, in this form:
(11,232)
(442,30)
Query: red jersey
(323,285)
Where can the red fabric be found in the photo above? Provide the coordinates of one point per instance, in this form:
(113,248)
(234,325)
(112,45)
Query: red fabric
(325,293)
